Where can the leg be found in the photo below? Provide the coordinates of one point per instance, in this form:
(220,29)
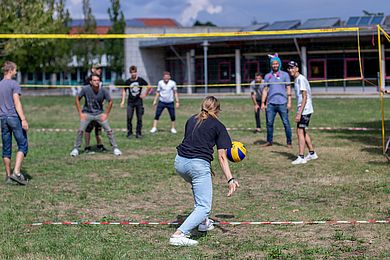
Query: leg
(21,139)
(171,111)
(257,118)
(130,113)
(98,135)
(271,113)
(308,142)
(6,136)
(108,130)
(80,132)
(283,112)
(139,109)
(159,109)
(301,141)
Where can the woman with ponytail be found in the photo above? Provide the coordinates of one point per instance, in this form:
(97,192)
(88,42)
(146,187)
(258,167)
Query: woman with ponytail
(203,131)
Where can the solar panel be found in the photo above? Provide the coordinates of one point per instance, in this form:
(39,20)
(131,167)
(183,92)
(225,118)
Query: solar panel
(377,19)
(283,25)
(320,23)
(353,20)
(364,20)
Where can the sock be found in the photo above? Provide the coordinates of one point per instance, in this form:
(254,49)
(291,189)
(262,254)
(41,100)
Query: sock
(311,152)
(302,156)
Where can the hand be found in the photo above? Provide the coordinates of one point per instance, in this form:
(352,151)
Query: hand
(83,117)
(263,106)
(154,103)
(233,185)
(298,118)
(256,107)
(289,106)
(25,125)
(177,104)
(122,104)
(103,117)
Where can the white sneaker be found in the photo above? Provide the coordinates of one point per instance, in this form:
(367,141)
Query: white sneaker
(182,240)
(117,152)
(206,225)
(299,160)
(74,152)
(153,130)
(313,156)
(173,131)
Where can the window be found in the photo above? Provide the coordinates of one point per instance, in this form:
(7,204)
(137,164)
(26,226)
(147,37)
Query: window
(199,72)
(224,71)
(317,69)
(352,68)
(387,65)
(250,69)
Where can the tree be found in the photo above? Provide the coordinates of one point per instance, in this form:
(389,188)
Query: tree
(199,23)
(115,47)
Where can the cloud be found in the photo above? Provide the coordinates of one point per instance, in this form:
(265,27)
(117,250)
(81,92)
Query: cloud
(193,8)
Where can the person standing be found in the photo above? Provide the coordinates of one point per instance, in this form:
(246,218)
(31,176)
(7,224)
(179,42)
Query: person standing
(96,69)
(166,92)
(13,122)
(134,101)
(277,93)
(256,88)
(93,111)
(194,155)
(304,112)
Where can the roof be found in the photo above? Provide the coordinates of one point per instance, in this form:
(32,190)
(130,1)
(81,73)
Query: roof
(320,23)
(366,20)
(283,25)
(152,22)
(254,27)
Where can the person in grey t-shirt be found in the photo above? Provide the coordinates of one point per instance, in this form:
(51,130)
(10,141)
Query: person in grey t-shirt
(94,96)
(256,88)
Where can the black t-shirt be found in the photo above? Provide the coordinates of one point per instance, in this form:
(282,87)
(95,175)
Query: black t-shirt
(135,88)
(199,140)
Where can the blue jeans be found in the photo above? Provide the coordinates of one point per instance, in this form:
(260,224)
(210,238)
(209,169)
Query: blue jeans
(272,109)
(197,172)
(9,126)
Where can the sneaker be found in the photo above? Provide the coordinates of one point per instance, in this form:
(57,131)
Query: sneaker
(74,152)
(101,148)
(129,136)
(8,180)
(18,178)
(313,156)
(182,240)
(153,130)
(88,150)
(299,160)
(138,136)
(173,131)
(206,225)
(117,152)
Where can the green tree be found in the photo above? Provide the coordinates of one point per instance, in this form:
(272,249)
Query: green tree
(114,48)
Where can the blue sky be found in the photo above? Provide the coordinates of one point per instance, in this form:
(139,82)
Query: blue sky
(234,12)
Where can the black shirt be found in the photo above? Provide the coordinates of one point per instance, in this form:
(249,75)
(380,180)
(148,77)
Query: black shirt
(199,140)
(135,88)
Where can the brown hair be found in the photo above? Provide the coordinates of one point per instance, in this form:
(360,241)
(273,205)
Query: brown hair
(166,73)
(8,66)
(133,68)
(258,74)
(210,107)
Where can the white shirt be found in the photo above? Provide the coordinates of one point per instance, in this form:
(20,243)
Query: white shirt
(166,90)
(301,84)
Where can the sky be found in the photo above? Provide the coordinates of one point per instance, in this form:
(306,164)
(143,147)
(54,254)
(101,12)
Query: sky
(233,12)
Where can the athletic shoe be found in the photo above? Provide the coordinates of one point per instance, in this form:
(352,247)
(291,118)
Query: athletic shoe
(101,148)
(299,160)
(88,150)
(173,131)
(138,136)
(182,240)
(8,180)
(74,152)
(313,156)
(117,152)
(206,225)
(19,178)
(153,130)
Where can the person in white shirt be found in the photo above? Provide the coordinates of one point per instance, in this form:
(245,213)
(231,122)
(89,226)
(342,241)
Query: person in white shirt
(166,94)
(304,111)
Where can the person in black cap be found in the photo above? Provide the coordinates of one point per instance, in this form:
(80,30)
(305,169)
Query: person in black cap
(304,111)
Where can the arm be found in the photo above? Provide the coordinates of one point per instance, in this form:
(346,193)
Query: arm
(19,110)
(105,115)
(289,95)
(264,97)
(177,99)
(302,107)
(223,162)
(123,97)
(78,107)
(156,98)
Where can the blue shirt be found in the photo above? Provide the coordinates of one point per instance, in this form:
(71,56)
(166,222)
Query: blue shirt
(277,93)
(8,88)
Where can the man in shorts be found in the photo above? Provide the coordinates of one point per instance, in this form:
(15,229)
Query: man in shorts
(304,111)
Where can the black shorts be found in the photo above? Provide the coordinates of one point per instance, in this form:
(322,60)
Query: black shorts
(305,120)
(96,125)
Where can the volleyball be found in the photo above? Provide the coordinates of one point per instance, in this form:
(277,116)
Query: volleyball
(237,153)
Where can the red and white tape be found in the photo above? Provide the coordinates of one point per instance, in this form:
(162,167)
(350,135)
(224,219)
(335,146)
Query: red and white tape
(228,128)
(220,223)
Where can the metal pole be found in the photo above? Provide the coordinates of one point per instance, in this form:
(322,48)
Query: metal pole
(206,79)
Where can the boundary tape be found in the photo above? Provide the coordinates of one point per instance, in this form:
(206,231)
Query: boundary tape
(219,223)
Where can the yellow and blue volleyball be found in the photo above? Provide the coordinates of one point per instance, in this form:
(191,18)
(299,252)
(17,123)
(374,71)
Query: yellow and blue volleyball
(237,153)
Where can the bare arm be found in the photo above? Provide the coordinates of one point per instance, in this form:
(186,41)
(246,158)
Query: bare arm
(264,97)
(302,107)
(288,90)
(223,162)
(176,98)
(156,98)
(19,110)
(123,97)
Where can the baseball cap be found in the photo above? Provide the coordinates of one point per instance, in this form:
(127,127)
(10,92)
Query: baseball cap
(97,66)
(292,64)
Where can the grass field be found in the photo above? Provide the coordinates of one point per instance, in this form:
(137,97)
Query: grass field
(350,180)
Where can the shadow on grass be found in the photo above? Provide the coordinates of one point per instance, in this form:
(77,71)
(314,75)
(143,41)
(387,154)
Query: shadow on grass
(261,142)
(289,156)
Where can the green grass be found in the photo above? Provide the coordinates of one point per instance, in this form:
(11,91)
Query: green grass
(349,181)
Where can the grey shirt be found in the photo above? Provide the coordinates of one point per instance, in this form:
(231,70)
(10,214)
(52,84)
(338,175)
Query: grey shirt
(8,88)
(257,88)
(94,101)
